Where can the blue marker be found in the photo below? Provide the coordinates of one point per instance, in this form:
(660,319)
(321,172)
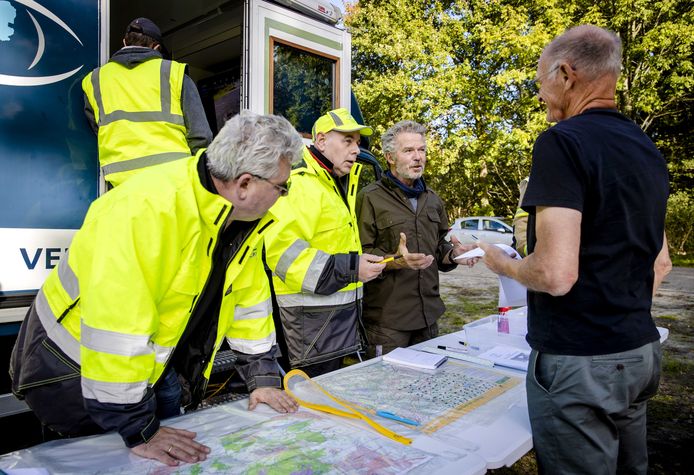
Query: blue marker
(394,417)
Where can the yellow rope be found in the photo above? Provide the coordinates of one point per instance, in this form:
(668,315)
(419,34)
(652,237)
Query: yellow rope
(352,413)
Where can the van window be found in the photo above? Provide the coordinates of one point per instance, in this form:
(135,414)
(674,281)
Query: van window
(304,84)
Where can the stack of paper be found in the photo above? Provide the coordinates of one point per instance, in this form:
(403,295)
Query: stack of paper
(414,358)
(508,356)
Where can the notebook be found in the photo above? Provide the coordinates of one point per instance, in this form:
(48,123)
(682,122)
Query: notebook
(414,358)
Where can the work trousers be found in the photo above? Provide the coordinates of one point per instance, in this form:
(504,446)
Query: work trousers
(588,413)
(383,340)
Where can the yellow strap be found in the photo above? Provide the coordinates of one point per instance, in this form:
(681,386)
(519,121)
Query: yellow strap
(353,412)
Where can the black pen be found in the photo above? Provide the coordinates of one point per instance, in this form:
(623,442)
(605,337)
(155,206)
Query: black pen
(454,350)
(467,346)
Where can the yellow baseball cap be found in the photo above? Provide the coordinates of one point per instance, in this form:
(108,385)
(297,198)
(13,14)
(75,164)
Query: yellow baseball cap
(341,121)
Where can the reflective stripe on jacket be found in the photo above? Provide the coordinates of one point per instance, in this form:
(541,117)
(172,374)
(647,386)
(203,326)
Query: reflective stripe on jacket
(316,223)
(138,114)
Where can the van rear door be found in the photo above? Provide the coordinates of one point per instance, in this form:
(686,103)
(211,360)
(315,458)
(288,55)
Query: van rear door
(294,65)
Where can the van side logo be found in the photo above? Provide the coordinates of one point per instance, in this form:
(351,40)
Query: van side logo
(7,18)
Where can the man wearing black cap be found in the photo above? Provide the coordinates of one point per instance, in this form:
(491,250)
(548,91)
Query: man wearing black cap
(144,109)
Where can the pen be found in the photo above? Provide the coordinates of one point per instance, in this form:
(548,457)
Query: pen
(474,237)
(389,259)
(454,350)
(394,417)
(468,346)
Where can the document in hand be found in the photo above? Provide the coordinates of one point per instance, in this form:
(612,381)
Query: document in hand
(414,358)
(511,293)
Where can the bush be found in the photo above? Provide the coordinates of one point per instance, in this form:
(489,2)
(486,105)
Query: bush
(679,223)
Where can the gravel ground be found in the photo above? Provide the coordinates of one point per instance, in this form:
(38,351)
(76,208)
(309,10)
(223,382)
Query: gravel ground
(471,294)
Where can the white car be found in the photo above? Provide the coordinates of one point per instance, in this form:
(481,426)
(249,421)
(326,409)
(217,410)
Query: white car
(483,228)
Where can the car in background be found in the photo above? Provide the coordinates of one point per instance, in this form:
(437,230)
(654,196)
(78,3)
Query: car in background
(484,228)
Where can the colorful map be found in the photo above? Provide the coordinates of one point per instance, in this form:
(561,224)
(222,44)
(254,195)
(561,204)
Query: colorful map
(302,443)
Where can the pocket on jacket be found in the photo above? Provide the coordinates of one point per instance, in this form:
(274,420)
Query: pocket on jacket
(389,228)
(45,364)
(328,330)
(433,215)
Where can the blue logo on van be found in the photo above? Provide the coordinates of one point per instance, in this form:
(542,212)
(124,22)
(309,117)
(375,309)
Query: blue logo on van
(8,32)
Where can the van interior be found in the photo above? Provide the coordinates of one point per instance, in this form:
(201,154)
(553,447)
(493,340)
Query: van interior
(208,36)
(205,34)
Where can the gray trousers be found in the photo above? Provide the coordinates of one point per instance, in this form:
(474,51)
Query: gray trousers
(588,413)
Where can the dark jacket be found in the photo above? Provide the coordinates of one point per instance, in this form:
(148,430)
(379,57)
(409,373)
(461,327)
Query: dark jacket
(403,299)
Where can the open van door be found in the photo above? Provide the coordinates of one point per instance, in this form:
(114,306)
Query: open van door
(294,66)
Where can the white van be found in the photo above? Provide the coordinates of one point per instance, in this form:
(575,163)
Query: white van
(291,59)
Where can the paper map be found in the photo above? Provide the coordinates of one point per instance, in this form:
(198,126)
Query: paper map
(302,443)
(432,399)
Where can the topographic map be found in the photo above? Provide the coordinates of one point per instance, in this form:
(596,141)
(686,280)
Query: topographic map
(433,399)
(301,443)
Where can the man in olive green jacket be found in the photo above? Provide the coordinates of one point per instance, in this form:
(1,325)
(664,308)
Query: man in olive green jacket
(399,211)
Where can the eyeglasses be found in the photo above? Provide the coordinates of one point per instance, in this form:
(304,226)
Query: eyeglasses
(282,188)
(536,83)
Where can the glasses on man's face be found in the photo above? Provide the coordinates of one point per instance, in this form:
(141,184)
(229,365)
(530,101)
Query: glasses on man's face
(536,84)
(283,188)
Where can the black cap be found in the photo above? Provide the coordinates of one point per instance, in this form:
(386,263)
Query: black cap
(146,27)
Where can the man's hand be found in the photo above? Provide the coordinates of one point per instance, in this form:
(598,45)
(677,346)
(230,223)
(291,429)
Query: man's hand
(369,267)
(460,248)
(172,446)
(414,260)
(495,258)
(277,399)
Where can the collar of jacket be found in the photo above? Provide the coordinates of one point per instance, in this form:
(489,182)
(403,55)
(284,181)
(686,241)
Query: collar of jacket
(321,159)
(389,184)
(131,56)
(218,206)
(409,191)
(213,209)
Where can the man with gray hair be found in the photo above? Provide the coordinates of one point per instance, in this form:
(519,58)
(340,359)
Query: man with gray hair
(402,305)
(164,268)
(596,253)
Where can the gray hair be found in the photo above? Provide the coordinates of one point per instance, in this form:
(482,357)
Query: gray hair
(255,144)
(402,127)
(593,50)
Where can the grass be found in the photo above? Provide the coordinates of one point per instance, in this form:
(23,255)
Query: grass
(682,261)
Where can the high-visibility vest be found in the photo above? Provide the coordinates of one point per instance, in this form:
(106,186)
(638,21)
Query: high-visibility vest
(120,300)
(315,223)
(139,116)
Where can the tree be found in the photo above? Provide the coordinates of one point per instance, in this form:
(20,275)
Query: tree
(465,69)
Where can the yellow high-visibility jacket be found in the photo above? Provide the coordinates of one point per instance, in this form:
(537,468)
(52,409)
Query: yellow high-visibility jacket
(317,231)
(119,302)
(139,115)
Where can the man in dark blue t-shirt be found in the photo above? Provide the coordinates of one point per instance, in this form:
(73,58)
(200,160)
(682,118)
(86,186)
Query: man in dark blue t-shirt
(597,251)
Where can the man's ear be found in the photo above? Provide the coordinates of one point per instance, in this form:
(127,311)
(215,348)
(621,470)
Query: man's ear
(568,75)
(156,47)
(389,158)
(241,185)
(320,142)
(124,43)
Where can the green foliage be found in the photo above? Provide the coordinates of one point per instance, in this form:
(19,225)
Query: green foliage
(679,224)
(464,67)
